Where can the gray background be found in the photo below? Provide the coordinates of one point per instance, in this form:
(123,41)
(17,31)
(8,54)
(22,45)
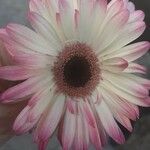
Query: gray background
(15,11)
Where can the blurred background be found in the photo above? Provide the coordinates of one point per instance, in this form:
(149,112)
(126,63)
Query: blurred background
(15,11)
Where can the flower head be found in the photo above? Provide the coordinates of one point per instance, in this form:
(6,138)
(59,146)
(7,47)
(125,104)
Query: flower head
(77,70)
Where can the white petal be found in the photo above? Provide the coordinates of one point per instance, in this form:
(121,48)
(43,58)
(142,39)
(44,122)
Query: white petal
(126,84)
(109,123)
(130,52)
(30,39)
(129,33)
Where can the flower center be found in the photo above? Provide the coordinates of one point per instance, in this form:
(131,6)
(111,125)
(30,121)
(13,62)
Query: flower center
(76,70)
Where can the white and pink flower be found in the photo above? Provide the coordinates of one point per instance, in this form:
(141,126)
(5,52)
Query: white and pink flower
(77,69)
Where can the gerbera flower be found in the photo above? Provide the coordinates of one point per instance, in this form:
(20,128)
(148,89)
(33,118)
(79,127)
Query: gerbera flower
(77,70)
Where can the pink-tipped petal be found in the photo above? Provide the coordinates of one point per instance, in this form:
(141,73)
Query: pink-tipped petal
(135,68)
(15,73)
(51,119)
(113,27)
(93,130)
(114,7)
(127,86)
(144,82)
(69,124)
(23,89)
(128,97)
(117,104)
(109,123)
(30,39)
(45,29)
(41,104)
(21,119)
(128,34)
(131,52)
(123,120)
(136,16)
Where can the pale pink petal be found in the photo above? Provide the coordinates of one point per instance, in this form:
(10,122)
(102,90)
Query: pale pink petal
(86,140)
(21,119)
(28,59)
(78,140)
(45,29)
(30,39)
(42,102)
(115,64)
(144,82)
(131,52)
(51,118)
(136,16)
(114,7)
(145,102)
(123,120)
(126,84)
(93,130)
(113,27)
(131,7)
(39,7)
(92,14)
(128,34)
(15,73)
(68,131)
(48,9)
(117,104)
(135,68)
(109,123)
(23,89)
(67,17)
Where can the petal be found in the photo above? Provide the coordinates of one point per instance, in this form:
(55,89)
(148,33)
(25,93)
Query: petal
(115,64)
(69,124)
(136,16)
(126,84)
(30,39)
(144,82)
(114,7)
(93,130)
(92,14)
(41,104)
(129,33)
(119,105)
(51,118)
(48,9)
(113,27)
(24,89)
(67,17)
(123,120)
(131,52)
(29,59)
(15,73)
(39,7)
(145,102)
(78,140)
(45,29)
(21,119)
(109,123)
(135,68)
